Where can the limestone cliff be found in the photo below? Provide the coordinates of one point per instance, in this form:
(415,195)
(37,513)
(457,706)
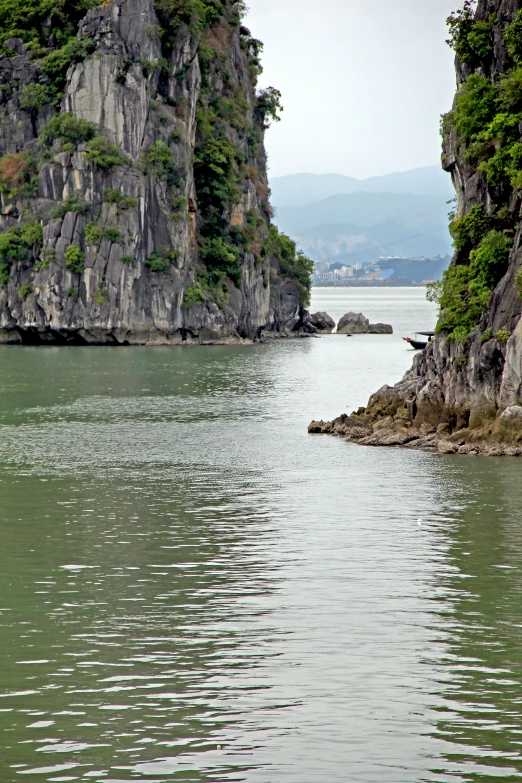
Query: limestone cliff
(133,183)
(464,392)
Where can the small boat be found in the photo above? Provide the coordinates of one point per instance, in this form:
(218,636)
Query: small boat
(420,345)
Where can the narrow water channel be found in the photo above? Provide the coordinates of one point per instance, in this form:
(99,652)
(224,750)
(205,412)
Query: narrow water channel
(194,589)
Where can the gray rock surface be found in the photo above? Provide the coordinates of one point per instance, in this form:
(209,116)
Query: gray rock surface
(322,322)
(380,329)
(135,103)
(353,323)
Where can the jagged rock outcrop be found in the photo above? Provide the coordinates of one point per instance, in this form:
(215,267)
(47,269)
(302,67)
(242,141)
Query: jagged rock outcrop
(134,198)
(464,391)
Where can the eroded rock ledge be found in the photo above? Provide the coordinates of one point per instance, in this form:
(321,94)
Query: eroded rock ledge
(421,412)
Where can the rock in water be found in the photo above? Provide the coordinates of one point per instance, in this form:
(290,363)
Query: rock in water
(380,329)
(134,186)
(353,323)
(322,322)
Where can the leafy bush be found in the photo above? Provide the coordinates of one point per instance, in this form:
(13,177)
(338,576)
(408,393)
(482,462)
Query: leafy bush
(127,259)
(214,169)
(31,233)
(34,96)
(93,233)
(24,290)
(193,295)
(38,21)
(503,335)
(56,64)
(73,292)
(513,35)
(475,106)
(486,336)
(103,153)
(18,175)
(434,291)
(179,207)
(45,259)
(75,259)
(113,235)
(292,263)
(114,196)
(160,263)
(68,129)
(15,245)
(197,14)
(101,295)
(491,256)
(470,39)
(470,229)
(466,290)
(161,161)
(221,260)
(76,204)
(268,106)
(510,91)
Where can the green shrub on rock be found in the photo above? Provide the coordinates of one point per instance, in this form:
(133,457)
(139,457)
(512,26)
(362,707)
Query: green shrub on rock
(193,295)
(93,233)
(513,35)
(503,335)
(34,96)
(103,153)
(475,106)
(221,260)
(56,64)
(75,259)
(291,262)
(16,244)
(24,290)
(466,289)
(160,263)
(161,161)
(470,38)
(68,129)
(471,228)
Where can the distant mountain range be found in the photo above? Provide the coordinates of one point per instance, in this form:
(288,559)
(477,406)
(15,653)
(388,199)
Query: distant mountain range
(344,219)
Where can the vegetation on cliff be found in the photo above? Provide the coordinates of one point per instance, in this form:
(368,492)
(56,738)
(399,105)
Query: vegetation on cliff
(227,209)
(486,121)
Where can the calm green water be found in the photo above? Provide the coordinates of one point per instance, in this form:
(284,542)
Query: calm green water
(194,589)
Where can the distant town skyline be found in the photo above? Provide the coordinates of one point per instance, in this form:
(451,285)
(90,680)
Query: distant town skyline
(363,84)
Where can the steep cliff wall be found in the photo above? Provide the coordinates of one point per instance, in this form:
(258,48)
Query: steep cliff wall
(133,183)
(464,392)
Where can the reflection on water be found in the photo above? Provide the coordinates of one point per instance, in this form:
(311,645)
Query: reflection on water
(193,589)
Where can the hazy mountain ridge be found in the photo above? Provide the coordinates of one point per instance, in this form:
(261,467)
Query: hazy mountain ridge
(296,190)
(363,226)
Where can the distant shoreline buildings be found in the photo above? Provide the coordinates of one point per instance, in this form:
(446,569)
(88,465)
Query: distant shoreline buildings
(386,270)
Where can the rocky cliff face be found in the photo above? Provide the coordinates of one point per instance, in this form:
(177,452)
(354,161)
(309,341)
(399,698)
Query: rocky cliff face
(464,392)
(134,198)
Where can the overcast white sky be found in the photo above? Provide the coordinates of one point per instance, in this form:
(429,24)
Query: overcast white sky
(363,81)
